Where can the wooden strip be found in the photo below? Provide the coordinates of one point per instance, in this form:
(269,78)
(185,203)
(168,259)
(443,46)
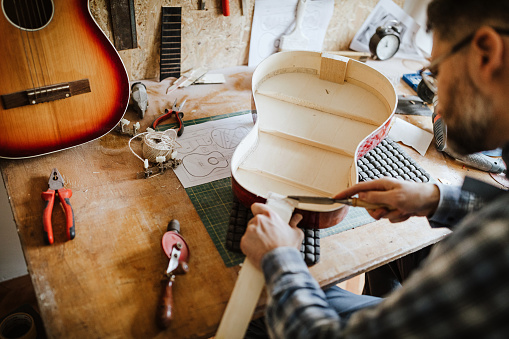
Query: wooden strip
(133,24)
(308,142)
(286,181)
(250,283)
(316,106)
(361,56)
(124,24)
(245,6)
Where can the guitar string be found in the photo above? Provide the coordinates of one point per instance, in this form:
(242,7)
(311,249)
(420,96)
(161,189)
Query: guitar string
(36,38)
(23,42)
(31,56)
(49,17)
(45,74)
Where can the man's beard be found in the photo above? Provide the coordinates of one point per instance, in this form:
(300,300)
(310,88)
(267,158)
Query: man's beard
(468,117)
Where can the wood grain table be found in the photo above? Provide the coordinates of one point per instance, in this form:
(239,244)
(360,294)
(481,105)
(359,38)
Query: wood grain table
(107,282)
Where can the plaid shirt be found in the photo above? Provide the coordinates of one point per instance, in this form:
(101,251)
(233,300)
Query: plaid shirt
(461,291)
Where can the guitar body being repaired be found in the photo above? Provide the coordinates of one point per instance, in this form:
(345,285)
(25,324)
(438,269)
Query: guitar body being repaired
(63,83)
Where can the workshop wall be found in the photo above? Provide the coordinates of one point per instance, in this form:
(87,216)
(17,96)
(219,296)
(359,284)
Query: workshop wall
(210,39)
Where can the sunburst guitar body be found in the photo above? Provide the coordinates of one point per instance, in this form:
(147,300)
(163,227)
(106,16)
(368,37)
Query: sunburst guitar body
(63,83)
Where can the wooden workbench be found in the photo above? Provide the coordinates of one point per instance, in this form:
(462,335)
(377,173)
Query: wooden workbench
(106,283)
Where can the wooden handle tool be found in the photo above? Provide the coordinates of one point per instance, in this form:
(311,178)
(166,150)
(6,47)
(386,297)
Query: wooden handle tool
(177,251)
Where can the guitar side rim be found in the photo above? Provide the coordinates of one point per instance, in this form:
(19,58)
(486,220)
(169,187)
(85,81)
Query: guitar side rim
(315,216)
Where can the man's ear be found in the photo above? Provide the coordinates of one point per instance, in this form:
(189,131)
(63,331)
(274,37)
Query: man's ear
(486,60)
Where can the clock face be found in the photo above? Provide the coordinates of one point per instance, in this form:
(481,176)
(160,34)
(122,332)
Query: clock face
(387,47)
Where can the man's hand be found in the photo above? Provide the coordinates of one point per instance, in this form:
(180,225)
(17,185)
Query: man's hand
(267,231)
(408,198)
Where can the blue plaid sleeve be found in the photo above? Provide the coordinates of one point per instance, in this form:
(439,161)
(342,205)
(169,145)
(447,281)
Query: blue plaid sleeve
(460,292)
(454,205)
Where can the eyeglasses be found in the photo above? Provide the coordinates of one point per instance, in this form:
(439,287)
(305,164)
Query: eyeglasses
(430,72)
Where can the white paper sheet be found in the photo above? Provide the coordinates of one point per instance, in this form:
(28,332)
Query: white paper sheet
(410,135)
(394,68)
(272,19)
(207,149)
(385,11)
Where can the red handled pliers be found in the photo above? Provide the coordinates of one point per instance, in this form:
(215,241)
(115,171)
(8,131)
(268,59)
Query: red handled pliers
(56,185)
(177,109)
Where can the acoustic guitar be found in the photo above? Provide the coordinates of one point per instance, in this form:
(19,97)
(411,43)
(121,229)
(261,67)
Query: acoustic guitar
(63,83)
(318,113)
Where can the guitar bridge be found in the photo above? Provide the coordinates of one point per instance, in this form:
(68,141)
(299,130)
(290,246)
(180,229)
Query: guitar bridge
(46,93)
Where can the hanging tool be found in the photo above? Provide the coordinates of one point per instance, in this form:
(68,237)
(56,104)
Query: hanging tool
(226,7)
(296,40)
(355,202)
(177,251)
(177,110)
(56,186)
(140,98)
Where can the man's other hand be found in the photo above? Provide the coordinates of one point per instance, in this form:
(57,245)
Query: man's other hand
(267,231)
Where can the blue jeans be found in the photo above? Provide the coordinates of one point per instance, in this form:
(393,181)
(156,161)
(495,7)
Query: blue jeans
(343,302)
(346,303)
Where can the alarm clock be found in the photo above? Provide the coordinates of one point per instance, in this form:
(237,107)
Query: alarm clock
(385,42)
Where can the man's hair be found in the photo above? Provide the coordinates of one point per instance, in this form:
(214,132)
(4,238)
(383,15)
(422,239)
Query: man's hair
(452,20)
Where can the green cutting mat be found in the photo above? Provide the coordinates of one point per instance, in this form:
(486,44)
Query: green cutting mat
(213,202)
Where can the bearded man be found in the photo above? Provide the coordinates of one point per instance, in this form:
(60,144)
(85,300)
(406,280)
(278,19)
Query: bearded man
(462,288)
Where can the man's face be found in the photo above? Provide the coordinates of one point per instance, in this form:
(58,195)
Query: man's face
(467,114)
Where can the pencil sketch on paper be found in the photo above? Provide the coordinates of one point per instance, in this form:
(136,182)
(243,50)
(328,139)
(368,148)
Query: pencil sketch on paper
(207,149)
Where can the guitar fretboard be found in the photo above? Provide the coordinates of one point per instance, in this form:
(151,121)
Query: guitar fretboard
(170,42)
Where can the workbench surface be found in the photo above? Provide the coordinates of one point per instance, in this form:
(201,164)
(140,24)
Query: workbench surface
(107,282)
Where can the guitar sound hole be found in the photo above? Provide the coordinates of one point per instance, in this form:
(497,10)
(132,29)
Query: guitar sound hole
(27,14)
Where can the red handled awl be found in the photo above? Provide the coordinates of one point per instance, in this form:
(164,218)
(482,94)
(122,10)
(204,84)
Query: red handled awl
(56,186)
(177,110)
(177,250)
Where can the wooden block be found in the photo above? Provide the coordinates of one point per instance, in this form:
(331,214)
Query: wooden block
(333,68)
(124,24)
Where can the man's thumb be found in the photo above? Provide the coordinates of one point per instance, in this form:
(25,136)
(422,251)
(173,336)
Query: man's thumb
(296,218)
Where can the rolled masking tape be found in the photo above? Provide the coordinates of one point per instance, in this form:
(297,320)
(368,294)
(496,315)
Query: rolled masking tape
(18,326)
